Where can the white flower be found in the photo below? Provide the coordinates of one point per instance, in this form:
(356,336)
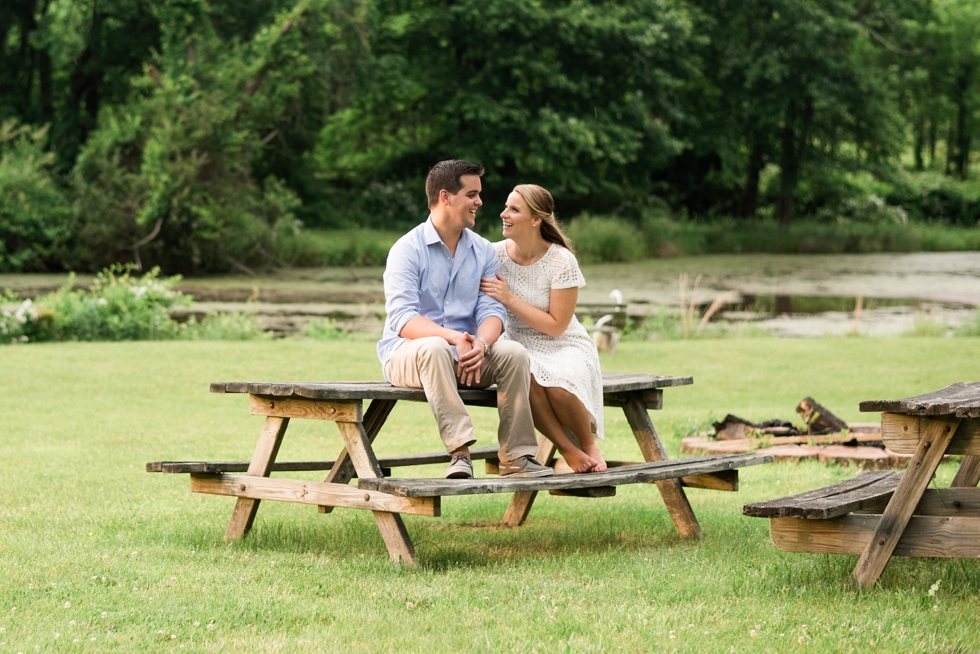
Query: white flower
(26,311)
(67,605)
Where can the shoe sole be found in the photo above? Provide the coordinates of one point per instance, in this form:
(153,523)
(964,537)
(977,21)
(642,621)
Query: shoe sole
(459,474)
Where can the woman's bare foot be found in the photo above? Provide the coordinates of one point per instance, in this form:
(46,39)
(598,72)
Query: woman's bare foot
(592,451)
(579,461)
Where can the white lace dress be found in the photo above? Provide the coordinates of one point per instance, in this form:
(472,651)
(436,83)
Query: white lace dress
(571,360)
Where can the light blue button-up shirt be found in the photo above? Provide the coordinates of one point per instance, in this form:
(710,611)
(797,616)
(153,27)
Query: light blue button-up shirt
(423,279)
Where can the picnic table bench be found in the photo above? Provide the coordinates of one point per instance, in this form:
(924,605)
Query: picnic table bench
(388,498)
(881,514)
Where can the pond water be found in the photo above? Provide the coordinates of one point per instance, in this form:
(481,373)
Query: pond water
(791,295)
(805,295)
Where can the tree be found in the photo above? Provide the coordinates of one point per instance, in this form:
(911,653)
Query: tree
(167,177)
(573,96)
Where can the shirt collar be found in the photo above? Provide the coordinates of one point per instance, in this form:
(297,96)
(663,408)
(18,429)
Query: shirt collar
(430,233)
(432,236)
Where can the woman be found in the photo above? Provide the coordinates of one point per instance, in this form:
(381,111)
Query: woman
(539,287)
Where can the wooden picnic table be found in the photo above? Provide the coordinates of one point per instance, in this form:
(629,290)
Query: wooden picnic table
(343,403)
(880,514)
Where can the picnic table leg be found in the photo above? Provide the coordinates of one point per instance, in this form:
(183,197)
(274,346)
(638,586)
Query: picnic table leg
(390,525)
(653,450)
(969,473)
(260,466)
(520,504)
(922,466)
(374,418)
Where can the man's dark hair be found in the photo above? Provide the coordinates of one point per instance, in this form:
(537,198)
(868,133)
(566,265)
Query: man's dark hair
(446,175)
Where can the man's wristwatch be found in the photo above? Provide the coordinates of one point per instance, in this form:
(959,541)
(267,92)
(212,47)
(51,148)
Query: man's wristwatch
(486,347)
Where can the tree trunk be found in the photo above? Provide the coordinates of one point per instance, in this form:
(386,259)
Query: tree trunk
(794,139)
(933,128)
(749,202)
(920,137)
(950,145)
(962,131)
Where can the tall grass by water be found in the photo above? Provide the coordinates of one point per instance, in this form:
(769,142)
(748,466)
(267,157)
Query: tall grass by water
(97,555)
(601,239)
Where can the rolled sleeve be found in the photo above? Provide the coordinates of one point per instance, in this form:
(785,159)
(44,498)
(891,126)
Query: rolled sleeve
(486,306)
(402,288)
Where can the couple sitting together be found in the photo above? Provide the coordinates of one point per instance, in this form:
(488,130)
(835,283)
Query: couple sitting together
(449,294)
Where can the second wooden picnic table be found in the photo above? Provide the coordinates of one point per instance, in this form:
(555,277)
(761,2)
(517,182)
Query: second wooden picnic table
(343,402)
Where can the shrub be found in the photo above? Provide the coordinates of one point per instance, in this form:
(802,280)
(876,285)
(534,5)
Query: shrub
(17,320)
(118,307)
(353,247)
(222,327)
(323,330)
(969,327)
(936,197)
(34,214)
(600,239)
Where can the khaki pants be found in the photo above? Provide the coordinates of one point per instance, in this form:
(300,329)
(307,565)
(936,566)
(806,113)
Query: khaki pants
(428,363)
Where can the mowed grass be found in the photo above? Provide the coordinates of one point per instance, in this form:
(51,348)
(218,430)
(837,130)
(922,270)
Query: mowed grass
(98,555)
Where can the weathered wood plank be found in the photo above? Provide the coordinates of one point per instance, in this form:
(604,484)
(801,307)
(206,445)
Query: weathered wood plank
(725,480)
(312,492)
(961,502)
(374,419)
(901,434)
(896,515)
(291,407)
(961,400)
(863,480)
(220,467)
(598,491)
(827,506)
(261,464)
(395,536)
(670,489)
(968,474)
(391,525)
(947,537)
(364,390)
(645,472)
(654,399)
(520,505)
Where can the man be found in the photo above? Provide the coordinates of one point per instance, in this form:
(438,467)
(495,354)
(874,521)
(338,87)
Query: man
(441,331)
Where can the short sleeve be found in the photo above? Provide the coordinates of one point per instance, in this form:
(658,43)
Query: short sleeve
(565,272)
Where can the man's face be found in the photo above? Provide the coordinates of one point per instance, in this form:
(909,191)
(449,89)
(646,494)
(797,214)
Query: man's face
(464,205)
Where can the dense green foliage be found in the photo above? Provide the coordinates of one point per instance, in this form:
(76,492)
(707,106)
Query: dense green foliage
(200,136)
(118,307)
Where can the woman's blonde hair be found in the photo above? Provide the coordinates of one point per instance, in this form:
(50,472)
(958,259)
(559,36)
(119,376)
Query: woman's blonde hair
(542,206)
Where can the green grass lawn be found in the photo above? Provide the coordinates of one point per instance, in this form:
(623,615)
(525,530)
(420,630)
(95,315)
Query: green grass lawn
(98,555)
